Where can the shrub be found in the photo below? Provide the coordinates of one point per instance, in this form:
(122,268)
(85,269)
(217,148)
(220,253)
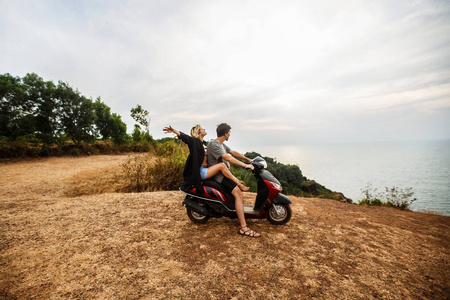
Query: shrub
(163,173)
(394,197)
(135,171)
(399,198)
(171,148)
(370,196)
(45,151)
(371,202)
(14,149)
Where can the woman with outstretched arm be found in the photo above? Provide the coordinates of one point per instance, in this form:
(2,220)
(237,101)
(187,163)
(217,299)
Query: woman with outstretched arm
(195,169)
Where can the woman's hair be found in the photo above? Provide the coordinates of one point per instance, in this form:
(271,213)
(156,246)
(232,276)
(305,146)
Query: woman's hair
(195,131)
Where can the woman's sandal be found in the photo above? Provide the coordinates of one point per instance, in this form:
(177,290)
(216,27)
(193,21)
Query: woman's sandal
(248,232)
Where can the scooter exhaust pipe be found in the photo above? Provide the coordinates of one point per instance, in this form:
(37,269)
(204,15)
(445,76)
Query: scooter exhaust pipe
(197,208)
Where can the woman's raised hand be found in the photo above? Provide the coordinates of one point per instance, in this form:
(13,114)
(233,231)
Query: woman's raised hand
(169,129)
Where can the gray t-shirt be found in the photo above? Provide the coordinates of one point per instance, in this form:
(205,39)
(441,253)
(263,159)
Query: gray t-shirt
(215,150)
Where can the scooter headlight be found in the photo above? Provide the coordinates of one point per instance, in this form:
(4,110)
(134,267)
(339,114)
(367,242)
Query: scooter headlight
(276,185)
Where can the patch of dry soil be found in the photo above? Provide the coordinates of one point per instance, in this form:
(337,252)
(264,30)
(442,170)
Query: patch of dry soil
(143,245)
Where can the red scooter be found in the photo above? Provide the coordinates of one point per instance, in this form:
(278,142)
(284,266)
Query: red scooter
(214,202)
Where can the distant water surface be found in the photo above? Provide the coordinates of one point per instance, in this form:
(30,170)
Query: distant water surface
(424,166)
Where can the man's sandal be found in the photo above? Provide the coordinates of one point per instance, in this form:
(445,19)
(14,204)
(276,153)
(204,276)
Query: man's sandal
(248,232)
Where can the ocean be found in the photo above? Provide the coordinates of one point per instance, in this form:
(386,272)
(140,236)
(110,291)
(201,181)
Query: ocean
(423,166)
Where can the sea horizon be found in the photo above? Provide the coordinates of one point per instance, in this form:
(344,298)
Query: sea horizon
(348,167)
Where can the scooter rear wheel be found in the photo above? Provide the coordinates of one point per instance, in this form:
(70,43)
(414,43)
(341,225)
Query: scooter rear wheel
(196,217)
(279,214)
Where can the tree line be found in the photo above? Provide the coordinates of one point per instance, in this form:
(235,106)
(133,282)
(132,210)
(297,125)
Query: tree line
(34,109)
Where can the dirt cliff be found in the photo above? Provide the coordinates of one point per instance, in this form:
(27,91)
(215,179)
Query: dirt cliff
(144,246)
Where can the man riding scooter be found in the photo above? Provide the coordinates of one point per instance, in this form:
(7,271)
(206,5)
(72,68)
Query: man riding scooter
(218,152)
(221,157)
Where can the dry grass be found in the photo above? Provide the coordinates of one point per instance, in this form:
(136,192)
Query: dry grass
(143,245)
(99,181)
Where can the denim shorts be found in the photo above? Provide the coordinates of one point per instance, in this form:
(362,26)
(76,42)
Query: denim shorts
(203,172)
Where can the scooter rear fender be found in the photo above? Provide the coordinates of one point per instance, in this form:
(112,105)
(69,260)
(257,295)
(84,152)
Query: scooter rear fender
(281,199)
(195,207)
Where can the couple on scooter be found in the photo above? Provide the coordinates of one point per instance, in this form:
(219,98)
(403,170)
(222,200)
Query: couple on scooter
(218,157)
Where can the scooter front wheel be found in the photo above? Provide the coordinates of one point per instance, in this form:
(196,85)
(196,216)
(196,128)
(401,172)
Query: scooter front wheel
(279,214)
(196,217)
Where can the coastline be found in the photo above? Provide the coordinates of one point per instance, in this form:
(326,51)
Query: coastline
(349,167)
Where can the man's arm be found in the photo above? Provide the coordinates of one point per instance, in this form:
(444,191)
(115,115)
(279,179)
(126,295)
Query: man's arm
(240,156)
(234,161)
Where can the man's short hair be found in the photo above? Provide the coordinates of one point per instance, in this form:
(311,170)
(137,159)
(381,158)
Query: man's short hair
(222,129)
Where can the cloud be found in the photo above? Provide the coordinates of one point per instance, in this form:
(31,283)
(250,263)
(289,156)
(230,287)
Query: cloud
(278,72)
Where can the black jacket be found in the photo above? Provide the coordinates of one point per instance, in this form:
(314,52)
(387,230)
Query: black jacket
(191,172)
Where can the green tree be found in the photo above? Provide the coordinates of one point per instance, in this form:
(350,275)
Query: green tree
(141,116)
(32,107)
(109,125)
(14,109)
(137,135)
(41,96)
(102,119)
(76,114)
(118,129)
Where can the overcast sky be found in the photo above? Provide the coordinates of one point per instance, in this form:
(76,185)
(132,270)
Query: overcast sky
(279,72)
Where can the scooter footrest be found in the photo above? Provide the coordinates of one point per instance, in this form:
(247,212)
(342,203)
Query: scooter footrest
(250,210)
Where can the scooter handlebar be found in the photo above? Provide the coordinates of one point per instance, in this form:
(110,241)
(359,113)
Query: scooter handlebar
(259,163)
